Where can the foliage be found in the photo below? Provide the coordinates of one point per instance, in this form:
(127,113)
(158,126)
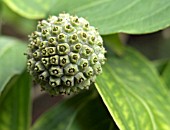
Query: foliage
(131,94)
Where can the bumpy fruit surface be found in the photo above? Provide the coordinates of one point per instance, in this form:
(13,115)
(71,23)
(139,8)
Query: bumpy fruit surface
(65,54)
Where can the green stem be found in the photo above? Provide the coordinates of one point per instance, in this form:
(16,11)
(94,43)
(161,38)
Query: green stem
(114,43)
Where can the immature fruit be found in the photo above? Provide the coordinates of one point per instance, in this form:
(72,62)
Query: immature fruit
(65,54)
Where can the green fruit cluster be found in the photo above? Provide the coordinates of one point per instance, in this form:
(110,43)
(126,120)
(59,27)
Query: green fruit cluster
(65,54)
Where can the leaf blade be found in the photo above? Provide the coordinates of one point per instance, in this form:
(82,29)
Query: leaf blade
(15,107)
(12,57)
(79,112)
(29,9)
(109,16)
(128,16)
(134,92)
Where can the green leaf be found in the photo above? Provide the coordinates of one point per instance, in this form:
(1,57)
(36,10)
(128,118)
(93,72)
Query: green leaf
(109,16)
(15,107)
(85,111)
(30,8)
(112,16)
(12,59)
(133,93)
